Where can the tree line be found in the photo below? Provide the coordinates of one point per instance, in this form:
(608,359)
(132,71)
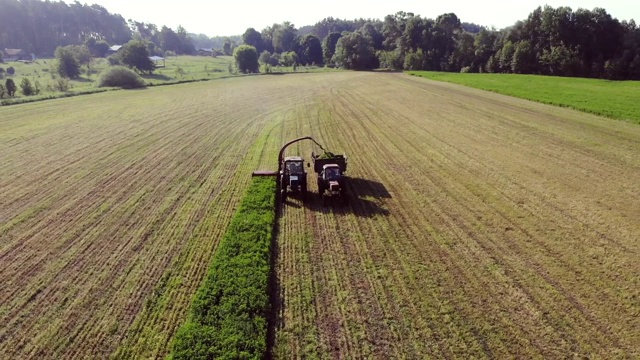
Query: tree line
(39,27)
(551,41)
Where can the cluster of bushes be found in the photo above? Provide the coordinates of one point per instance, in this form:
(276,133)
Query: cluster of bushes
(228,316)
(120,76)
(247,59)
(10,71)
(285,59)
(29,88)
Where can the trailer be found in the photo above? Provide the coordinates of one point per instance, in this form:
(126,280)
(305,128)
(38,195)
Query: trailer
(330,169)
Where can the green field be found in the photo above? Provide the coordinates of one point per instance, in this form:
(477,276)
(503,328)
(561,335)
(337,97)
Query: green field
(614,99)
(478,225)
(195,68)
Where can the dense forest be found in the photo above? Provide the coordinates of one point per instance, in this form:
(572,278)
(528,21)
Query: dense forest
(551,41)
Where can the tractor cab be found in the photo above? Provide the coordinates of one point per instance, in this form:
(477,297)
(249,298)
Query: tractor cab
(293,165)
(331,172)
(293,176)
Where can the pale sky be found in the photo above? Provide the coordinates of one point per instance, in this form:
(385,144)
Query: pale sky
(233,17)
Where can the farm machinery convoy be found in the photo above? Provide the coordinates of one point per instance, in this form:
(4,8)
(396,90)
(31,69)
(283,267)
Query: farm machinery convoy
(291,176)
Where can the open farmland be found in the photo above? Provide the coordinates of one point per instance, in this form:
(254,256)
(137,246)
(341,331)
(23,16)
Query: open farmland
(479,225)
(484,226)
(614,99)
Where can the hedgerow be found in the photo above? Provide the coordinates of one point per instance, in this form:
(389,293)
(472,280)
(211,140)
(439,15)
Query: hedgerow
(228,318)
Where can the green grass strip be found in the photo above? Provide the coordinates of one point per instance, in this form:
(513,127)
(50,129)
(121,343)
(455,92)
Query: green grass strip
(228,318)
(613,99)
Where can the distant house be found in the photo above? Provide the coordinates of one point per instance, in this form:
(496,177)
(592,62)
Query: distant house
(16,55)
(156,61)
(114,49)
(205,52)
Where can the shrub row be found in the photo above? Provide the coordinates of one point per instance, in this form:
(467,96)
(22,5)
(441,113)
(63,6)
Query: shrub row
(228,317)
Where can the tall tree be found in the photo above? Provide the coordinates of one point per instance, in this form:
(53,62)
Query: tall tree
(464,53)
(328,25)
(134,54)
(267,38)
(523,58)
(484,48)
(246,58)
(227,47)
(447,29)
(393,27)
(10,87)
(371,32)
(68,65)
(355,52)
(284,36)
(169,40)
(329,46)
(309,50)
(253,38)
(186,43)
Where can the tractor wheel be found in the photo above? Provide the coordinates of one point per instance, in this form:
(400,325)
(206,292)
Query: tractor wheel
(303,189)
(283,195)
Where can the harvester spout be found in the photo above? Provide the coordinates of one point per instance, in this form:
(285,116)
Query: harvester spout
(280,158)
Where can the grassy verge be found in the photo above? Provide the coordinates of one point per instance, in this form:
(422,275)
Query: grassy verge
(614,99)
(228,316)
(178,70)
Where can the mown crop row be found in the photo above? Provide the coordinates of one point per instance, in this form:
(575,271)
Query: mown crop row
(228,317)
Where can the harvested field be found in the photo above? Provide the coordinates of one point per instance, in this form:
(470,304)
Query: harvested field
(111,207)
(478,226)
